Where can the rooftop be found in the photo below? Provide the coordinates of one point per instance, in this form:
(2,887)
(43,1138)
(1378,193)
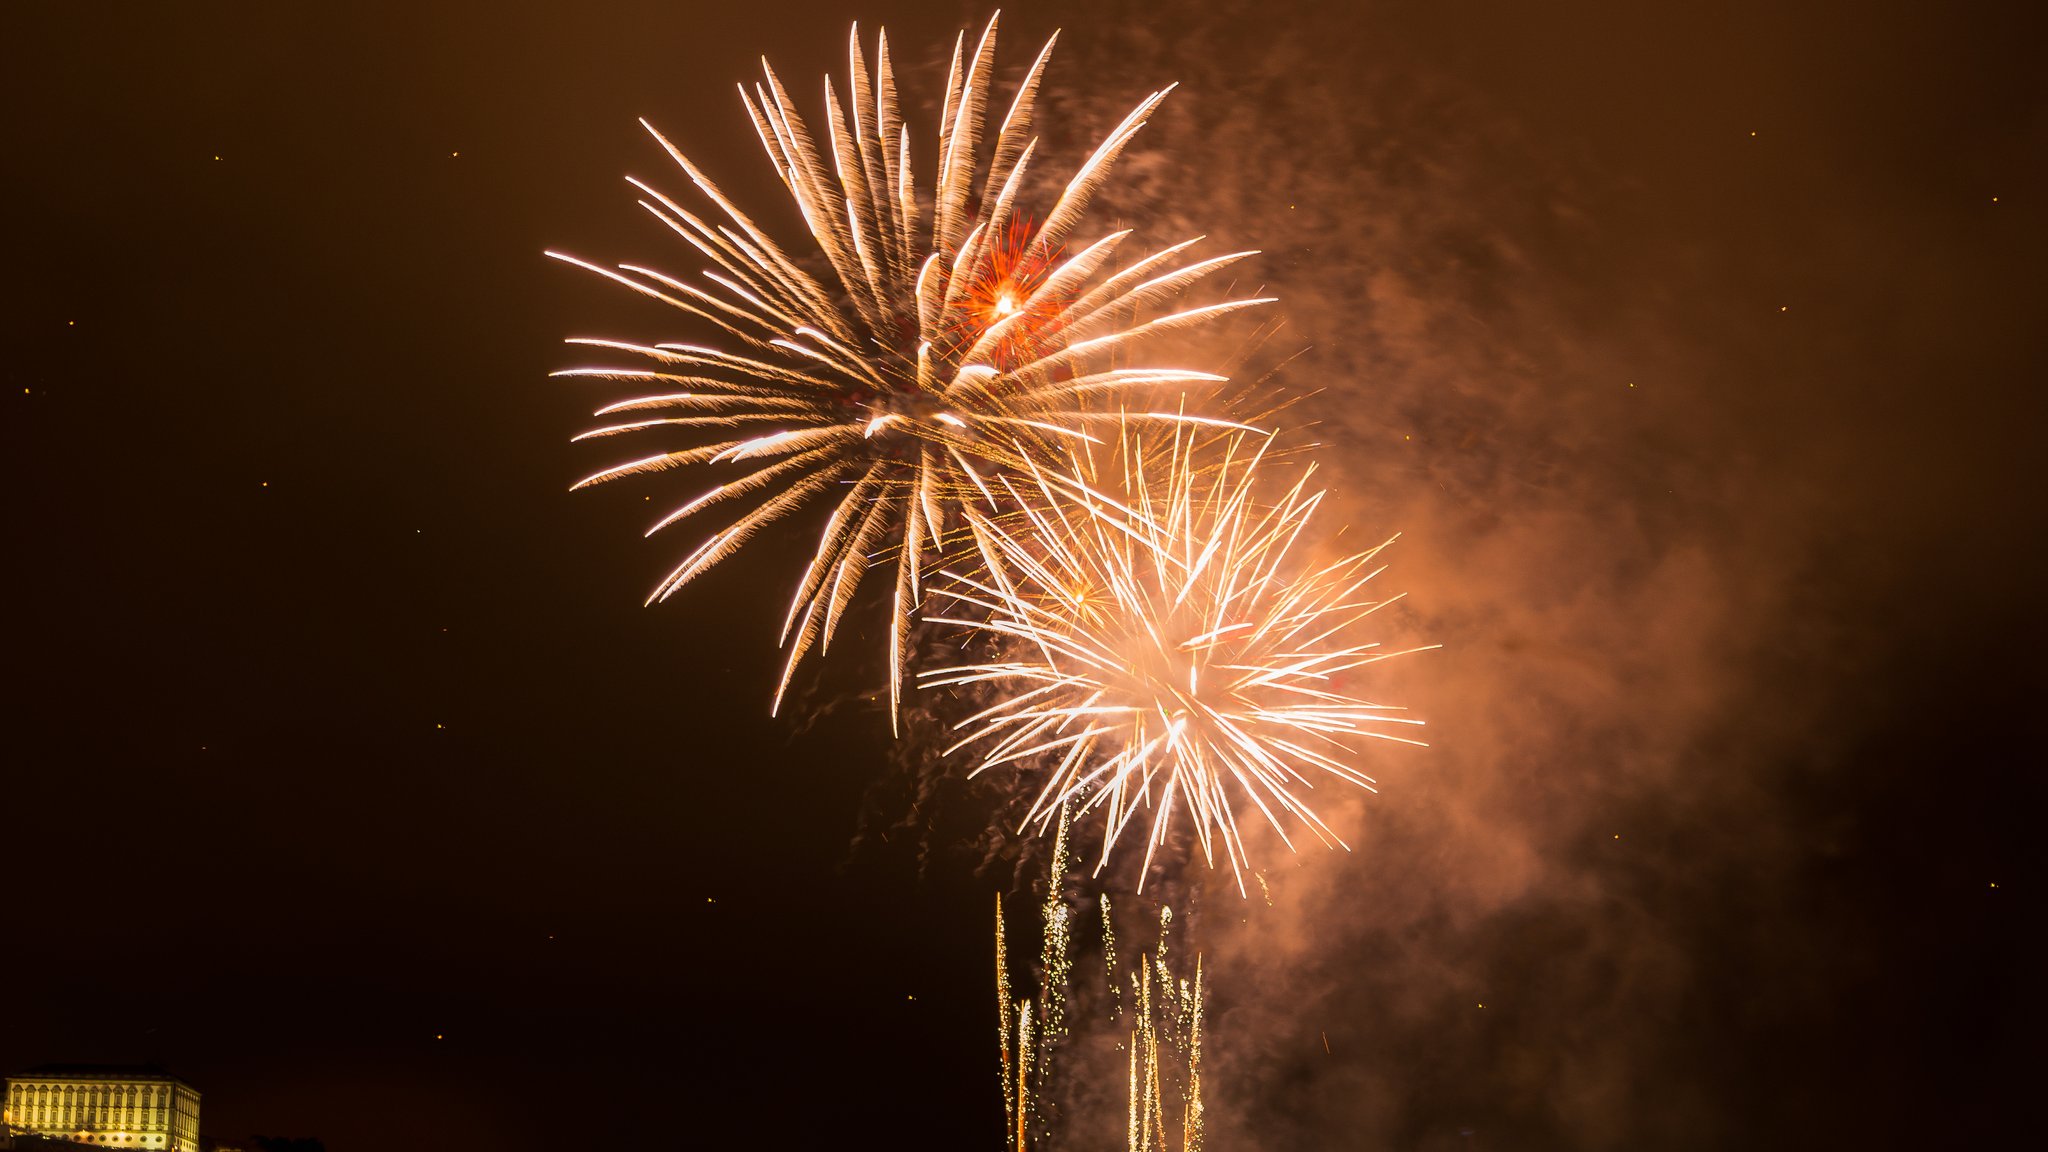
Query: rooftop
(97,1072)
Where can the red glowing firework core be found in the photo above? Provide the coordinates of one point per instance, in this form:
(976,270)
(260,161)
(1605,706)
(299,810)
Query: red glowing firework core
(1008,284)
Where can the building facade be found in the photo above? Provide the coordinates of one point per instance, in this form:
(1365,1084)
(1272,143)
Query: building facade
(135,1108)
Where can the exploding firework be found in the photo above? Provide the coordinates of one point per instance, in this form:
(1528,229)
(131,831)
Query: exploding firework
(1159,645)
(944,339)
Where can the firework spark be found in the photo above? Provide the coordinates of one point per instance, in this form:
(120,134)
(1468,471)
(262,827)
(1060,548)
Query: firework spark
(1162,647)
(946,340)
(1165,1053)
(1161,1040)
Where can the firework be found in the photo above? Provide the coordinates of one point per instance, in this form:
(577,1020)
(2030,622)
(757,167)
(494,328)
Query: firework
(1158,644)
(1165,1053)
(943,340)
(1161,1041)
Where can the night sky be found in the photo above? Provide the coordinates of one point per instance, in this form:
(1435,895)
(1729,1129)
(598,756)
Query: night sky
(1696,354)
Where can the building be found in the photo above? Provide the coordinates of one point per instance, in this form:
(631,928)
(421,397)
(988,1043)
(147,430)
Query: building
(135,1108)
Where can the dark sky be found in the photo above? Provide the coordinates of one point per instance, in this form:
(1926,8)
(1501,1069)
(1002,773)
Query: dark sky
(1695,354)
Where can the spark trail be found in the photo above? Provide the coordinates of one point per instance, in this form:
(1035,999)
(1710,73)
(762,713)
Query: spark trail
(1161,1037)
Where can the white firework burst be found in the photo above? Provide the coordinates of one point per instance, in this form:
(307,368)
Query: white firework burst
(1158,643)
